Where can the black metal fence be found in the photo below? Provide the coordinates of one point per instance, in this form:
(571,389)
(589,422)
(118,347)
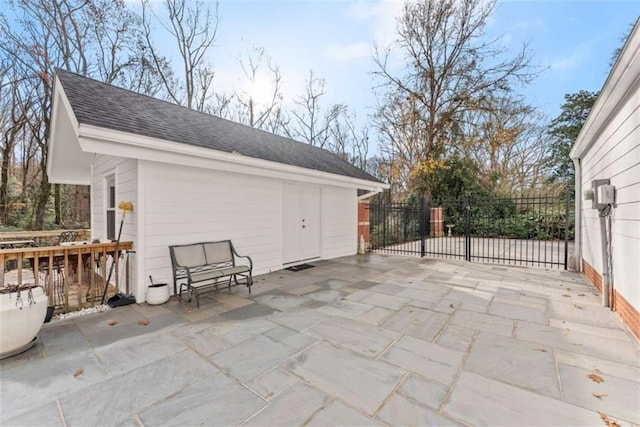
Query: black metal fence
(528,231)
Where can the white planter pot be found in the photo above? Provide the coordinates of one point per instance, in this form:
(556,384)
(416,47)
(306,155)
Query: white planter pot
(157,294)
(21,319)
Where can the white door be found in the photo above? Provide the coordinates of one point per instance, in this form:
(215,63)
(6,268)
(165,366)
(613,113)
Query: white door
(301,226)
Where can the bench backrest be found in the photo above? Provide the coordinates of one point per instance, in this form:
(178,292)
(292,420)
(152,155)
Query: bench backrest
(218,252)
(200,254)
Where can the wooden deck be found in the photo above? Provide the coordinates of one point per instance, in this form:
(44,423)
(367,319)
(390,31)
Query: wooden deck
(73,276)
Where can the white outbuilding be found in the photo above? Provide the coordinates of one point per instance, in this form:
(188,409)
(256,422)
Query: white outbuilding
(194,177)
(607,159)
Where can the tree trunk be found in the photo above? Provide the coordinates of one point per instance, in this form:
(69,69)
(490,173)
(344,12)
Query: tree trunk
(57,204)
(4,184)
(42,199)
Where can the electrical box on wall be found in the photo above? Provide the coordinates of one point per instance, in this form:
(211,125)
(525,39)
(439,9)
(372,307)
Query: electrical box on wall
(606,194)
(595,186)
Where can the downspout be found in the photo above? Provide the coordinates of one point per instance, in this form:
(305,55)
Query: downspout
(577,248)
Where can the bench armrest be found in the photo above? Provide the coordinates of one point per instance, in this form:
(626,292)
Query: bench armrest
(237,255)
(183,269)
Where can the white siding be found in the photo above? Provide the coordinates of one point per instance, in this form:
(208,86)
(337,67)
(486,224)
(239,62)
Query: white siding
(339,218)
(185,205)
(616,155)
(126,178)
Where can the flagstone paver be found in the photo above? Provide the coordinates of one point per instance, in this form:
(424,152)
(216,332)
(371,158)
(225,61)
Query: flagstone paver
(293,408)
(36,382)
(217,400)
(361,340)
(360,337)
(514,362)
(403,412)
(480,401)
(427,359)
(617,397)
(379,299)
(363,382)
(428,392)
(252,357)
(338,414)
(114,400)
(272,384)
(345,308)
(417,322)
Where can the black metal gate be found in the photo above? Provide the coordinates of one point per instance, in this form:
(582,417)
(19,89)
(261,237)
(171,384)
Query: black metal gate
(529,231)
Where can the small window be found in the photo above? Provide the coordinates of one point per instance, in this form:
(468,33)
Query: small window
(111,208)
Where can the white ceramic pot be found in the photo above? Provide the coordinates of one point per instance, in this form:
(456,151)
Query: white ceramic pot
(21,319)
(157,294)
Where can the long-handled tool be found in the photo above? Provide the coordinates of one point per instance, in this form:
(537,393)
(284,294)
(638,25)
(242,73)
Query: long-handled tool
(126,207)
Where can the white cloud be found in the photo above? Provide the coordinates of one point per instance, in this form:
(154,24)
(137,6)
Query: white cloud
(346,52)
(568,61)
(381,18)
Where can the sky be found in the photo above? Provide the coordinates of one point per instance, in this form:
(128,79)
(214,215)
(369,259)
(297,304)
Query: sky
(571,42)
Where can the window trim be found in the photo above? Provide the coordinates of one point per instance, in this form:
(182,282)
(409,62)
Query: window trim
(109,184)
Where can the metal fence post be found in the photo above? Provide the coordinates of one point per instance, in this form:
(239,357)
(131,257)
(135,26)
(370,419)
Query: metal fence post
(383,213)
(467,227)
(566,229)
(422,227)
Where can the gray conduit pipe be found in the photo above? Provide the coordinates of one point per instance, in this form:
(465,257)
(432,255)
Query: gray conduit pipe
(604,243)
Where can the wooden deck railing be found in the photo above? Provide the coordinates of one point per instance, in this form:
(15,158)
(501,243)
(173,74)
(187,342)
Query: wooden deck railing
(43,237)
(73,276)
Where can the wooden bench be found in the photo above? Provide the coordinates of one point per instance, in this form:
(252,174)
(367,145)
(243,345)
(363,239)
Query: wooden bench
(206,267)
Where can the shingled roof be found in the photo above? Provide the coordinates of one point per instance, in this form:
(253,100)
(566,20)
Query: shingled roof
(103,105)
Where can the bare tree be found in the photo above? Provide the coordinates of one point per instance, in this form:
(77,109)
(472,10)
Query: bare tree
(450,67)
(259,113)
(13,121)
(78,35)
(309,122)
(349,141)
(193,25)
(508,143)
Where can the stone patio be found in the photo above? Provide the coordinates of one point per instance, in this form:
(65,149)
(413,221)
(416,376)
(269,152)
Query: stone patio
(362,340)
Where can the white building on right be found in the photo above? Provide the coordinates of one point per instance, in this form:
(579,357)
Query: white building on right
(606,155)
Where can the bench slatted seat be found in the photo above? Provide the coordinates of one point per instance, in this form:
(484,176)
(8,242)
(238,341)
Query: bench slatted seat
(207,266)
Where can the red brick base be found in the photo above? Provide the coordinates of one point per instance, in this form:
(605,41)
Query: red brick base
(592,275)
(627,313)
(363,225)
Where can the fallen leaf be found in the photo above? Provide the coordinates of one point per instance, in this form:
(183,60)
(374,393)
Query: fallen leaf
(566,295)
(78,373)
(143,322)
(596,378)
(269,395)
(608,421)
(599,395)
(578,306)
(113,322)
